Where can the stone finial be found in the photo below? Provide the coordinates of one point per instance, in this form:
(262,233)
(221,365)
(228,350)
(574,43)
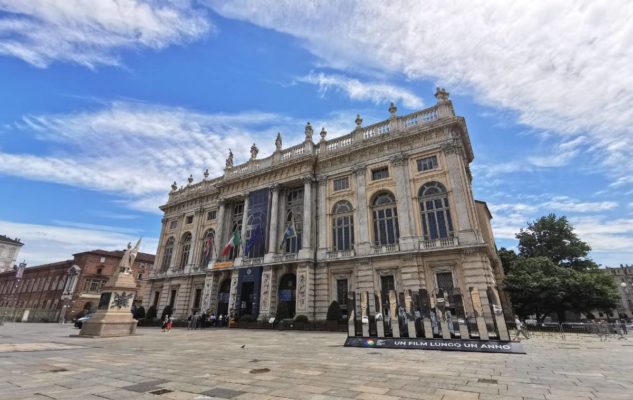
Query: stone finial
(190,179)
(359,121)
(174,186)
(278,142)
(441,95)
(229,160)
(308,132)
(254,151)
(393,109)
(323,134)
(206,173)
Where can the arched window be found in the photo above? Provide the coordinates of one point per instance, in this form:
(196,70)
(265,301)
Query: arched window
(342,226)
(208,247)
(386,229)
(169,250)
(436,217)
(185,247)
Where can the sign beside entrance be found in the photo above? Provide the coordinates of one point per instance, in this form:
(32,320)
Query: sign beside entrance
(484,346)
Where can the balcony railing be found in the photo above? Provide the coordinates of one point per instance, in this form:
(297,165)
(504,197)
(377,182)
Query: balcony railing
(285,257)
(335,254)
(253,261)
(385,248)
(439,243)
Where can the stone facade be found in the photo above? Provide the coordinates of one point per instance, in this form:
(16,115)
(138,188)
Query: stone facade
(9,250)
(46,292)
(386,207)
(623,279)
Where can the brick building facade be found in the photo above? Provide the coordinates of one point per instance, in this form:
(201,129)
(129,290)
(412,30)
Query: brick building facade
(45,290)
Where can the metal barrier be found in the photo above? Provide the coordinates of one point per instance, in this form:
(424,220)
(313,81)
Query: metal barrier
(575,330)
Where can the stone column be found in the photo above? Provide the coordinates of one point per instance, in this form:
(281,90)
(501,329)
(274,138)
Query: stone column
(464,223)
(400,163)
(240,254)
(195,236)
(361,220)
(209,282)
(272,228)
(219,229)
(306,240)
(266,293)
(322,214)
(233,293)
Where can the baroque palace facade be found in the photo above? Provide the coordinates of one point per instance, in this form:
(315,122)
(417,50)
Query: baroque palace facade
(386,207)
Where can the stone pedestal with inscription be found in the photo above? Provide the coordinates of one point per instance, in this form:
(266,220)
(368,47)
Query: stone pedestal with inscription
(114,313)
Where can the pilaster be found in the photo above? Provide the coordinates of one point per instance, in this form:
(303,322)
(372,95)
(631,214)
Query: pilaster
(408,237)
(362,245)
(272,228)
(322,217)
(307,250)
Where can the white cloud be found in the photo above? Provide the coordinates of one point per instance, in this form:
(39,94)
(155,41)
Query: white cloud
(92,33)
(357,90)
(136,150)
(50,243)
(560,66)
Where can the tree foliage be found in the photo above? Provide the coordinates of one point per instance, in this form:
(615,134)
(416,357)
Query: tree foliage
(555,239)
(552,272)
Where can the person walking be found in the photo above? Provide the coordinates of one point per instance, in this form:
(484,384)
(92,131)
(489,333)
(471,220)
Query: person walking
(603,331)
(520,329)
(165,323)
(170,323)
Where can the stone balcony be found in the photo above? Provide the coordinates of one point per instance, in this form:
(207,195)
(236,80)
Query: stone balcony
(339,254)
(438,243)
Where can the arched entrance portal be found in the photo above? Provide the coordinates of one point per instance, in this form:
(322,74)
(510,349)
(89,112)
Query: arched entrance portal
(287,296)
(223,297)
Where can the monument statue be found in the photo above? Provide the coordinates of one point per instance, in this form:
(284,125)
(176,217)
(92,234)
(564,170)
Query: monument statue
(113,316)
(229,160)
(278,142)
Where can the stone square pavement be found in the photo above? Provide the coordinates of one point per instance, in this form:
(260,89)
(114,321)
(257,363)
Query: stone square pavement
(41,361)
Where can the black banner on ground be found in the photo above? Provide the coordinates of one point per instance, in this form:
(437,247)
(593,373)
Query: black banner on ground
(484,346)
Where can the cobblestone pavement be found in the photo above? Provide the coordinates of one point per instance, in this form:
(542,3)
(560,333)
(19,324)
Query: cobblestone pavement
(41,361)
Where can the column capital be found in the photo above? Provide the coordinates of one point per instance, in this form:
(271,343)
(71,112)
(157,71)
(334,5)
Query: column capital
(199,211)
(399,159)
(308,178)
(359,169)
(451,147)
(322,179)
(274,187)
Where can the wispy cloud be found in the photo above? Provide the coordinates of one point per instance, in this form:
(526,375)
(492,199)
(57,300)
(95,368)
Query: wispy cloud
(560,67)
(51,243)
(92,33)
(367,91)
(136,150)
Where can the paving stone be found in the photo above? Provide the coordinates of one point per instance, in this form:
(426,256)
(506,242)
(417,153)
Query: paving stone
(222,393)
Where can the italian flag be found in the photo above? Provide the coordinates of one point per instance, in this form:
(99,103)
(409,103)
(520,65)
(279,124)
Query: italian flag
(233,242)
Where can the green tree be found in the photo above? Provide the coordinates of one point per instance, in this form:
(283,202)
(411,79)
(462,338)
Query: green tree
(555,239)
(508,257)
(538,286)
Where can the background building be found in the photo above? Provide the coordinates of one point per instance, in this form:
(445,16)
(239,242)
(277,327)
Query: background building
(387,207)
(9,250)
(67,288)
(623,278)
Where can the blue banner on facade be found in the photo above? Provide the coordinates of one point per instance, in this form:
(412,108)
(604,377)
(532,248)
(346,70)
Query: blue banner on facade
(248,291)
(257,223)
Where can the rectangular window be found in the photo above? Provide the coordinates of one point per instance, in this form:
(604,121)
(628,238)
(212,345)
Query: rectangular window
(211,215)
(444,280)
(189,219)
(341,183)
(172,299)
(387,284)
(156,297)
(379,173)
(427,163)
(93,285)
(173,224)
(341,291)
(196,301)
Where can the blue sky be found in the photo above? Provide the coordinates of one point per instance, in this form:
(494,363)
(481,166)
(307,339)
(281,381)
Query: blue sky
(105,103)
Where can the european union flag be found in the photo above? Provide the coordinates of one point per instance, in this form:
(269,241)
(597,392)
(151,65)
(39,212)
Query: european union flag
(256,236)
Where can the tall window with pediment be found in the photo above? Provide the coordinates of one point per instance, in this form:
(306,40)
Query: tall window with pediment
(342,226)
(435,213)
(293,227)
(237,215)
(185,248)
(386,230)
(167,253)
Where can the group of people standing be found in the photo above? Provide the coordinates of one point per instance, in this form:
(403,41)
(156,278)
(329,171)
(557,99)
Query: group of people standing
(206,319)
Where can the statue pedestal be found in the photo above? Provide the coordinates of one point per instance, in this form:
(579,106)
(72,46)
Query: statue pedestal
(114,315)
